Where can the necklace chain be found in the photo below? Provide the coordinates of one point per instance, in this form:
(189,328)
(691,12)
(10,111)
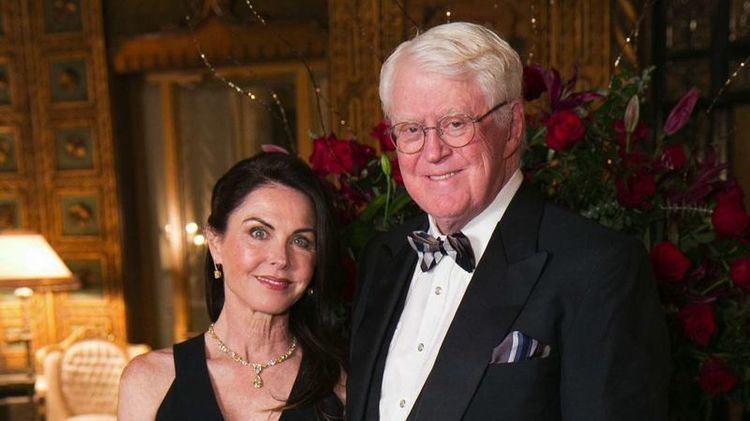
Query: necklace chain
(257,367)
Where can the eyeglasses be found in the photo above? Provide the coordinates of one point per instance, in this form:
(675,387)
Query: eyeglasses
(455,130)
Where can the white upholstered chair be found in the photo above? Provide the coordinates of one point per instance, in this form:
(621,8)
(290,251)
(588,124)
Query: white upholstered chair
(79,377)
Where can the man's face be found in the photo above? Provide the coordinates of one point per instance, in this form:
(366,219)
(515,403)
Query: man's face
(453,184)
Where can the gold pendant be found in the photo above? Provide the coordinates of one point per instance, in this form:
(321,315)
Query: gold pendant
(257,381)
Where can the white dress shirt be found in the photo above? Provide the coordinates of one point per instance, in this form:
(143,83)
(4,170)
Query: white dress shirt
(431,303)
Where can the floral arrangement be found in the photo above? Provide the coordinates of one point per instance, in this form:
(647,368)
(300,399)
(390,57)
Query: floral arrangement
(368,189)
(593,152)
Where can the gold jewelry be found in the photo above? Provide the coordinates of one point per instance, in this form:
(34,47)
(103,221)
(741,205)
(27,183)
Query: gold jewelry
(257,367)
(217,271)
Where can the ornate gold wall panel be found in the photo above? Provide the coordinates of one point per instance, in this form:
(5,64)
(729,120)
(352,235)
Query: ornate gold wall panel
(579,34)
(563,33)
(625,14)
(224,43)
(62,182)
(361,35)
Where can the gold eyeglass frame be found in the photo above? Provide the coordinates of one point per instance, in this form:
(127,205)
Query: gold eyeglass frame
(440,133)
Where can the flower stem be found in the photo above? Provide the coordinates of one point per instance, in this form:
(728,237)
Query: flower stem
(627,142)
(388,193)
(716,284)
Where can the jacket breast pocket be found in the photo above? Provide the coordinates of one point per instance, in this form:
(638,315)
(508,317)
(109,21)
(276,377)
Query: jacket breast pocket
(524,390)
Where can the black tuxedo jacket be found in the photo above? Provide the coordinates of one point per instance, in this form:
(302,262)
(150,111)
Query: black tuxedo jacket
(582,289)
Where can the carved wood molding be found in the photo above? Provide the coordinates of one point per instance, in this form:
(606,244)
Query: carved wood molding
(579,34)
(224,43)
(362,34)
(625,14)
(62,178)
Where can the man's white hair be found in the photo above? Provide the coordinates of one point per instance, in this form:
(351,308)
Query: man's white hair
(463,51)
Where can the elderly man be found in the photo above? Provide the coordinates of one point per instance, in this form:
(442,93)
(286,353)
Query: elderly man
(494,305)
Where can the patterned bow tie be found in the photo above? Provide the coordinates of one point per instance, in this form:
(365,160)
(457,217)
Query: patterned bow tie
(432,249)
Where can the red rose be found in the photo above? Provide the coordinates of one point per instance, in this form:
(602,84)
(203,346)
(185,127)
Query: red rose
(533,82)
(383,135)
(635,190)
(640,133)
(564,129)
(716,377)
(673,157)
(698,322)
(740,272)
(668,262)
(335,156)
(361,155)
(634,160)
(331,156)
(729,216)
(319,156)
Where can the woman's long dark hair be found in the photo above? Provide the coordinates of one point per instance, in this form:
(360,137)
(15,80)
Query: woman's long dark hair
(313,318)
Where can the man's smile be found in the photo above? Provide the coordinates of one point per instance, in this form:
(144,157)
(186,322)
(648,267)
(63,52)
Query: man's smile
(443,176)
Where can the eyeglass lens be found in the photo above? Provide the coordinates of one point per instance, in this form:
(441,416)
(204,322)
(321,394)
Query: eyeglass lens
(456,131)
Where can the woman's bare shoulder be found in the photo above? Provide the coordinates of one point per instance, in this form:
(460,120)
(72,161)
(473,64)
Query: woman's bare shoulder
(159,363)
(144,383)
(160,359)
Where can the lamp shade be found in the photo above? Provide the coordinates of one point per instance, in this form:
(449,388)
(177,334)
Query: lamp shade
(27,260)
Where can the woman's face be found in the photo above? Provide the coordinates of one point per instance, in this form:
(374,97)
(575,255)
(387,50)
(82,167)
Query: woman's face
(268,250)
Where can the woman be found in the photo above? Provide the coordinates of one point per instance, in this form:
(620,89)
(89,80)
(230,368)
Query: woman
(274,350)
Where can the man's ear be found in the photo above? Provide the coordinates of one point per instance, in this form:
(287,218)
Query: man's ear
(515,127)
(214,245)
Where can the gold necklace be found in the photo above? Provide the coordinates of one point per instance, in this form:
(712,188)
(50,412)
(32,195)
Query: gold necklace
(257,367)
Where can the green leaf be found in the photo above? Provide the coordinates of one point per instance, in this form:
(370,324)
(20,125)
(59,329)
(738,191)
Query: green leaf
(373,208)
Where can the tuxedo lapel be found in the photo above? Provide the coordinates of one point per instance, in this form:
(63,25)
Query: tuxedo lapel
(499,288)
(396,263)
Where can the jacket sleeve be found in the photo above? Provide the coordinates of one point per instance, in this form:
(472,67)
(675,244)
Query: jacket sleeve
(615,361)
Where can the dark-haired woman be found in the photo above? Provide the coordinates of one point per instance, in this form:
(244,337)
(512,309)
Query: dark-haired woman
(274,348)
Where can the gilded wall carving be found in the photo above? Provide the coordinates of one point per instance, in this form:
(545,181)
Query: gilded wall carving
(559,34)
(58,125)
(361,35)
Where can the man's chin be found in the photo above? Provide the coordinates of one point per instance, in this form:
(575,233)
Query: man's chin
(441,207)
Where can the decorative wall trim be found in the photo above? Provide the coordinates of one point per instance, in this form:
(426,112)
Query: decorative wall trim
(59,84)
(225,44)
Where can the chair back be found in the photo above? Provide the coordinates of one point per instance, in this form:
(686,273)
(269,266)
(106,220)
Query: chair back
(89,376)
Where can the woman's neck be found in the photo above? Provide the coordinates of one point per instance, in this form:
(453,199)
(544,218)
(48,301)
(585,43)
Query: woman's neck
(255,336)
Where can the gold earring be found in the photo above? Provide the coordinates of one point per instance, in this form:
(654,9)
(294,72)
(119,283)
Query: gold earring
(217,271)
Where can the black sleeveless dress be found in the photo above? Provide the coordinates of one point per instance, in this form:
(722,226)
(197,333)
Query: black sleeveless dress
(191,396)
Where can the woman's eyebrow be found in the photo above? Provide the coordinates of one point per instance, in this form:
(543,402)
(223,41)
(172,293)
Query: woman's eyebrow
(256,219)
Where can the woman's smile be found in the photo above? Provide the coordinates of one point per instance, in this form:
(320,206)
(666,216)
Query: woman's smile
(273,283)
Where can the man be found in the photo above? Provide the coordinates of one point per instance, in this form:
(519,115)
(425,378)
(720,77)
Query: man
(524,311)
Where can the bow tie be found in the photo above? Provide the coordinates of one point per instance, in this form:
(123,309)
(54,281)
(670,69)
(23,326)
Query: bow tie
(432,250)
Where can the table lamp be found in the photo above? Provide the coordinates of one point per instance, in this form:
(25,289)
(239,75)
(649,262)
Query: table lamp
(27,264)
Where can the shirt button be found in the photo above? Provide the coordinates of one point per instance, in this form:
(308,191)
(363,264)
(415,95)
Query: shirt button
(402,403)
(420,347)
(438,290)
